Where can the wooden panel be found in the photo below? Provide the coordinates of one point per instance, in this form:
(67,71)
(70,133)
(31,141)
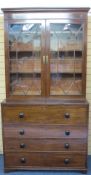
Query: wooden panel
(89,51)
(2,40)
(2,90)
(1,46)
(44,131)
(89,17)
(2,72)
(89,25)
(29,145)
(1,33)
(2,96)
(47,159)
(89,32)
(1,19)
(2,82)
(46,114)
(1,26)
(88,72)
(88,79)
(38,160)
(2,66)
(89,96)
(89,58)
(45,14)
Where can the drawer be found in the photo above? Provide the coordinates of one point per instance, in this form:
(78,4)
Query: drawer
(28,145)
(44,160)
(54,114)
(44,131)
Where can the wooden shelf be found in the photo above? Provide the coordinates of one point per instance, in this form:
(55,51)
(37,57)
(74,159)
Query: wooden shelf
(71,47)
(66,65)
(23,47)
(25,66)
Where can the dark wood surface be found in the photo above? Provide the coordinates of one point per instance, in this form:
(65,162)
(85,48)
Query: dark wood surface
(44,114)
(74,15)
(48,9)
(31,144)
(54,101)
(47,159)
(45,132)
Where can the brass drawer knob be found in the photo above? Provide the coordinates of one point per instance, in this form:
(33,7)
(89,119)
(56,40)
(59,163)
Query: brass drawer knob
(67,133)
(66,145)
(66,161)
(22,145)
(23,160)
(67,115)
(21,132)
(21,115)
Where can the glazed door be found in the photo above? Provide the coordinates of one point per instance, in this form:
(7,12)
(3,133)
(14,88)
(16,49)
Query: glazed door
(26,54)
(65,53)
(45,58)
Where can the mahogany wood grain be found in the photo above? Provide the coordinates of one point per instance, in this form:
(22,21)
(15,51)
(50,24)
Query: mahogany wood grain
(46,159)
(25,15)
(44,131)
(77,115)
(29,145)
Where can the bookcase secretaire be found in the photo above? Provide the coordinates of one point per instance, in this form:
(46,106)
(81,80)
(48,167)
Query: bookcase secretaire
(45,114)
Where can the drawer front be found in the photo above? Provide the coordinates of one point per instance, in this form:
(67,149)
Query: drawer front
(28,145)
(45,131)
(55,114)
(46,160)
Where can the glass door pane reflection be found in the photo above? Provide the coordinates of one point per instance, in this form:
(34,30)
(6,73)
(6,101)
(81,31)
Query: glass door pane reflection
(25,58)
(66,59)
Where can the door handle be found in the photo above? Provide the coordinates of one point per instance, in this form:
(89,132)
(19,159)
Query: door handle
(44,59)
(47,59)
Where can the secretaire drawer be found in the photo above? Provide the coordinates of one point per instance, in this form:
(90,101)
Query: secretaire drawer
(29,145)
(44,131)
(46,160)
(56,114)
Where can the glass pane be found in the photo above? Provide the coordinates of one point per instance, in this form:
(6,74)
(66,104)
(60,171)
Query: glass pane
(66,59)
(25,59)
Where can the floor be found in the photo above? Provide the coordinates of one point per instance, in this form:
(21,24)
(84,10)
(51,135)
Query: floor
(43,172)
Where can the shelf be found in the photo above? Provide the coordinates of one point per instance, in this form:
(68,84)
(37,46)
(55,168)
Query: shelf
(71,46)
(25,73)
(25,65)
(23,47)
(66,65)
(67,55)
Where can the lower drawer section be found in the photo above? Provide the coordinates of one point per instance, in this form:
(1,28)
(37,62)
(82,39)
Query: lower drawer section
(44,131)
(38,160)
(29,145)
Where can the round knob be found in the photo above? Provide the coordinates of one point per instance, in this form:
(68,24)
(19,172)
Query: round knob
(23,160)
(22,145)
(67,115)
(21,115)
(21,132)
(67,133)
(66,161)
(66,145)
